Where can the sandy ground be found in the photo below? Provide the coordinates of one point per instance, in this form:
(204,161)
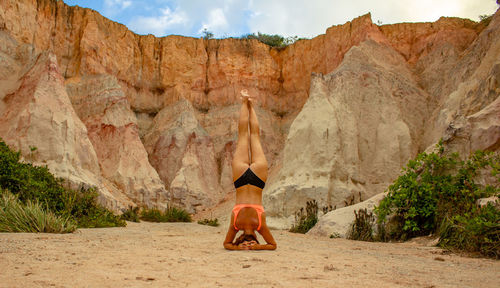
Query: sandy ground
(191,255)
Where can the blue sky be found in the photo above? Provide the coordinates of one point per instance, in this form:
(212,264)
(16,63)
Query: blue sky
(306,18)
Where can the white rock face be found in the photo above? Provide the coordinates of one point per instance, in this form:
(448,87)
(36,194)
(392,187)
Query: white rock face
(359,126)
(39,114)
(339,221)
(467,116)
(183,153)
(112,129)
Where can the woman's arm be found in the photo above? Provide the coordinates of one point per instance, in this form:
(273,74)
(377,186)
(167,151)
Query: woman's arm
(231,233)
(268,237)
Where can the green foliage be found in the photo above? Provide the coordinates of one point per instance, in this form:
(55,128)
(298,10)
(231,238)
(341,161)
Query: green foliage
(37,185)
(277,41)
(209,222)
(30,217)
(479,232)
(438,193)
(362,227)
(305,221)
(334,235)
(171,214)
(83,207)
(27,181)
(485,19)
(207,34)
(131,214)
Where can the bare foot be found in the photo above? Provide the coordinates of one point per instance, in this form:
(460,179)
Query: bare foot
(246,97)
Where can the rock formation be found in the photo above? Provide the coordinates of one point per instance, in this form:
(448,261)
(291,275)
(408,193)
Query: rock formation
(377,96)
(468,117)
(183,152)
(111,126)
(360,125)
(339,221)
(467,110)
(39,120)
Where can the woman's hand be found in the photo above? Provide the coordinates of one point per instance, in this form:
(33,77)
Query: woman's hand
(247,245)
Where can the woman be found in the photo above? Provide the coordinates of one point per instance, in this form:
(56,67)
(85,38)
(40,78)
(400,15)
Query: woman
(249,176)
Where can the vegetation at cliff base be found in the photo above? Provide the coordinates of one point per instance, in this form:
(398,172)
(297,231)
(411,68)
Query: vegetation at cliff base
(35,186)
(362,227)
(437,194)
(83,207)
(131,214)
(16,216)
(305,220)
(209,222)
(171,214)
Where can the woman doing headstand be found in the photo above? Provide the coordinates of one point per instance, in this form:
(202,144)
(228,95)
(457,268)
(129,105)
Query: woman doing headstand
(249,176)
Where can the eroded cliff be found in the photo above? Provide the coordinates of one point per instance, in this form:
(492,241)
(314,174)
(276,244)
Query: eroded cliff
(160,113)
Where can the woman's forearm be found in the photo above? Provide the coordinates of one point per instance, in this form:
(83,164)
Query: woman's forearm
(231,246)
(263,247)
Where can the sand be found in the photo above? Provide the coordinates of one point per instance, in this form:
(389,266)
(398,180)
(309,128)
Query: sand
(191,255)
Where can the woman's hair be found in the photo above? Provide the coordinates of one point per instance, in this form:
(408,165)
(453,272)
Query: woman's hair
(245,237)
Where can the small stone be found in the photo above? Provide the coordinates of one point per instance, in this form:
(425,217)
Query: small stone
(330,268)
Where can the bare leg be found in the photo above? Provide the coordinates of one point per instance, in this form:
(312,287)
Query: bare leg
(258,160)
(241,158)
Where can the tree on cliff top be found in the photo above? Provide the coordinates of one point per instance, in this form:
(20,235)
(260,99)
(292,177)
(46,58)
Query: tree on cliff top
(277,41)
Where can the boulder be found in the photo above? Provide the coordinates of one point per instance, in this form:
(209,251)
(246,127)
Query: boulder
(339,221)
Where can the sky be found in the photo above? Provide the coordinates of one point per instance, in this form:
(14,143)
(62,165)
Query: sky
(302,18)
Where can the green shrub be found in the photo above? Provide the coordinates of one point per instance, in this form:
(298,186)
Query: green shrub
(277,41)
(334,235)
(485,19)
(29,182)
(171,214)
(362,227)
(209,222)
(131,214)
(305,221)
(37,185)
(437,194)
(473,233)
(207,34)
(88,213)
(30,217)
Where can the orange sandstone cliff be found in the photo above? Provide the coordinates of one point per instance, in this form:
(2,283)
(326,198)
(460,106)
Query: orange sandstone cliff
(340,113)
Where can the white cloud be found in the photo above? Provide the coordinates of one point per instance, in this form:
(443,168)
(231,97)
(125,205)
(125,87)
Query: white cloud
(216,21)
(301,18)
(430,10)
(158,25)
(118,4)
(113,7)
(313,17)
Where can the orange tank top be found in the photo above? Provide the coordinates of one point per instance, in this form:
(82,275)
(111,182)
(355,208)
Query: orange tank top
(257,208)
